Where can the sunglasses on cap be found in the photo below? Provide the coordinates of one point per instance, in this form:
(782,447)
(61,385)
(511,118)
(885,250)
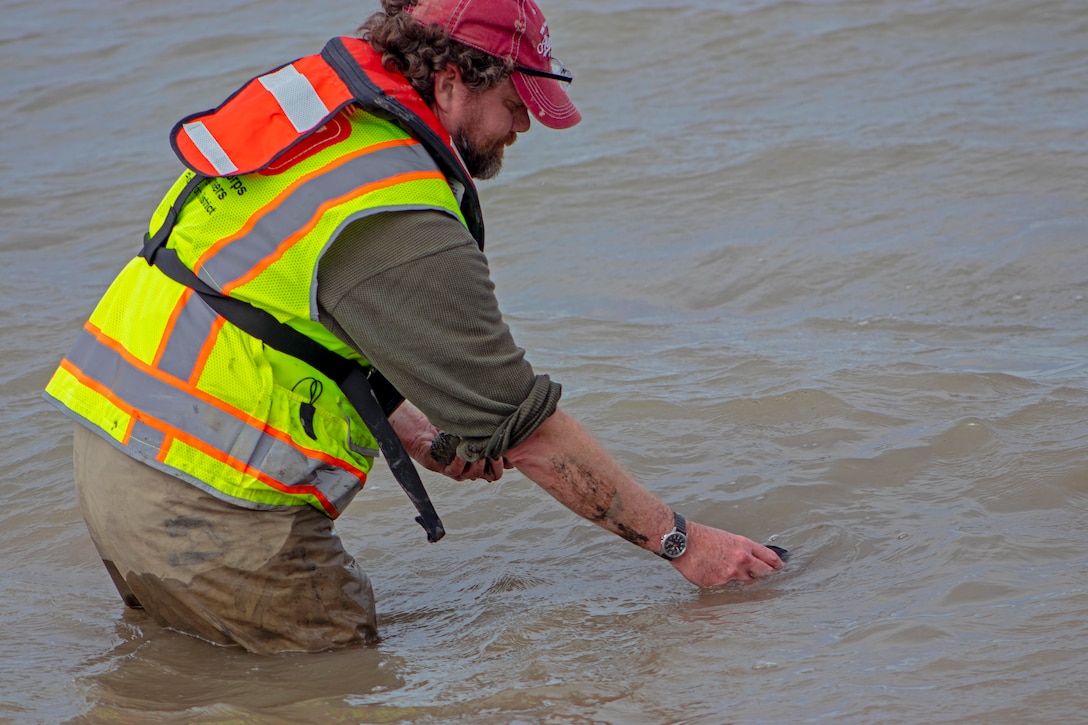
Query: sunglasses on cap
(557,73)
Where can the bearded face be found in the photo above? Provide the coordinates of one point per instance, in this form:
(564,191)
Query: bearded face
(483,123)
(483,159)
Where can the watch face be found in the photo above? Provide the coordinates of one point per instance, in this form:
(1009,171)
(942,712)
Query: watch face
(674,545)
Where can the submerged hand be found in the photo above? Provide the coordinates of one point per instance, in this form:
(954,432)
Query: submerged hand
(715,557)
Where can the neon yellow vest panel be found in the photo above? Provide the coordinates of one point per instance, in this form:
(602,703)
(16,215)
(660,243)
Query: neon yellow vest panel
(168,381)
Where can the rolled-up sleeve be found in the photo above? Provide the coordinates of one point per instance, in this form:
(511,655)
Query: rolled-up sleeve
(412,293)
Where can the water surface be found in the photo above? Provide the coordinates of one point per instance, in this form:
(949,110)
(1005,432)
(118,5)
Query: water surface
(814,271)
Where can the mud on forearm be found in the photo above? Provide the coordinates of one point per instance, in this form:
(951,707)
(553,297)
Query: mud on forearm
(594,498)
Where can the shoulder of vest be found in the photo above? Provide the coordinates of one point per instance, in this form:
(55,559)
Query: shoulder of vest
(276,110)
(388,93)
(273,112)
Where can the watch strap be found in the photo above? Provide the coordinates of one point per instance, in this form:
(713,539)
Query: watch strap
(680,526)
(680,523)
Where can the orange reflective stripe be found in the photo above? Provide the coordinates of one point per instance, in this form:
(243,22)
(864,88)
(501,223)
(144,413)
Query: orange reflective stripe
(132,413)
(185,295)
(196,392)
(105,392)
(206,350)
(282,249)
(164,449)
(172,433)
(289,190)
(241,466)
(127,437)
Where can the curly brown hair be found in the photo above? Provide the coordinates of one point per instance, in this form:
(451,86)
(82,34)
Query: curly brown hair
(418,51)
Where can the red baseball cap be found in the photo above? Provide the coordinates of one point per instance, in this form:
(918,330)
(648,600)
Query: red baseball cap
(514,30)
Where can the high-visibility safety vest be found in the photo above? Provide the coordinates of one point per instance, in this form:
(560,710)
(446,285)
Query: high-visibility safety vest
(274,174)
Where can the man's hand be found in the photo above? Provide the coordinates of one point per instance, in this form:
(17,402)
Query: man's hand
(461,470)
(417,433)
(715,557)
(564,459)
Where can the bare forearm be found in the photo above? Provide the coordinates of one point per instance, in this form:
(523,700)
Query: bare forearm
(565,460)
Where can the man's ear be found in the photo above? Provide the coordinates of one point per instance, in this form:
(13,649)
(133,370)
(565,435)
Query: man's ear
(445,87)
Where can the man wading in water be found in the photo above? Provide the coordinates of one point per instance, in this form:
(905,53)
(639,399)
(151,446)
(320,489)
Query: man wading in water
(215,444)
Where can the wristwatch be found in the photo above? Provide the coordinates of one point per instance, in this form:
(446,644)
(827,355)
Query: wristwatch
(675,543)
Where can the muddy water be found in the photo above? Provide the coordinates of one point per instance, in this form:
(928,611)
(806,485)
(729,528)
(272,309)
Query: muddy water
(814,271)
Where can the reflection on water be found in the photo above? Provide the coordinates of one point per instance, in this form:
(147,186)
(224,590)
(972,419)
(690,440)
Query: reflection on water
(208,683)
(814,271)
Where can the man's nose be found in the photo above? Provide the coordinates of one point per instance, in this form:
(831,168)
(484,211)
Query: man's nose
(521,121)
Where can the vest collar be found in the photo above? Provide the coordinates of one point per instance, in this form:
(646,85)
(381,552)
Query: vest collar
(273,112)
(385,92)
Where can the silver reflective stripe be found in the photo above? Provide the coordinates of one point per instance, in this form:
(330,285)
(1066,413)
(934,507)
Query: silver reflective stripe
(337,485)
(187,338)
(306,202)
(148,438)
(215,427)
(359,450)
(204,141)
(296,96)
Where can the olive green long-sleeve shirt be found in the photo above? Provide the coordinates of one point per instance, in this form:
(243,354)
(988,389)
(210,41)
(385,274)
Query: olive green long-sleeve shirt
(412,292)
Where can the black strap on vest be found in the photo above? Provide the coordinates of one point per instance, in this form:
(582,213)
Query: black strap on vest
(154,242)
(371,97)
(372,396)
(361,390)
